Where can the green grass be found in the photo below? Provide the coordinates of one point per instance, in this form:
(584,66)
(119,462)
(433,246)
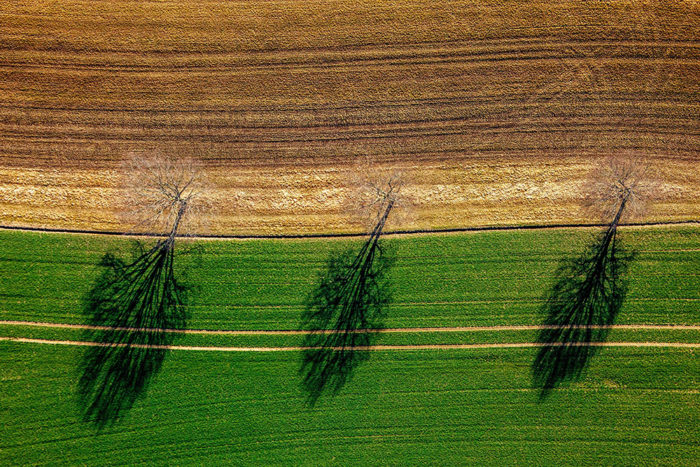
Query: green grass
(634,405)
(495,278)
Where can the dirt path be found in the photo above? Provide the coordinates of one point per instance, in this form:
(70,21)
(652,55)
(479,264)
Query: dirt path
(359,331)
(364,348)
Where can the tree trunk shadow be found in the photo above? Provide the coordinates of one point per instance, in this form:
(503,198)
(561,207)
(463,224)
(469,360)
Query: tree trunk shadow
(132,308)
(343,316)
(580,308)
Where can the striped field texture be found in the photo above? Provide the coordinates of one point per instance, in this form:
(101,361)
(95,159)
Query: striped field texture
(464,397)
(495,111)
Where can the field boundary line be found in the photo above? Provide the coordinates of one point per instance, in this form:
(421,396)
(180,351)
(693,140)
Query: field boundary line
(345,235)
(650,327)
(358,348)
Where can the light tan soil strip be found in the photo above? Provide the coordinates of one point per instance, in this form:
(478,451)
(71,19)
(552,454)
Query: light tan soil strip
(368,348)
(662,327)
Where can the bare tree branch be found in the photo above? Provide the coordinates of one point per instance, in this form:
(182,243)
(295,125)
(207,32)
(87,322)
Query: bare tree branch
(372,189)
(160,189)
(137,301)
(589,290)
(350,295)
(627,176)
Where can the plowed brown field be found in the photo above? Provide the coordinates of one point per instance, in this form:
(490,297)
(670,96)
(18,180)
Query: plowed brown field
(494,110)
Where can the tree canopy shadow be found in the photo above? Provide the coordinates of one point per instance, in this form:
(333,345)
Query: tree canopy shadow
(580,308)
(343,315)
(132,309)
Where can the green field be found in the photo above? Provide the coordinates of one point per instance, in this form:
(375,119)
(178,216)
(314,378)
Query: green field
(634,405)
(495,278)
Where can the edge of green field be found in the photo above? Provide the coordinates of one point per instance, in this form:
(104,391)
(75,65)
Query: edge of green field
(476,406)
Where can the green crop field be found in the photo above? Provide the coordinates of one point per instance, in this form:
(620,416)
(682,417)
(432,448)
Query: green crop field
(634,405)
(448,407)
(494,278)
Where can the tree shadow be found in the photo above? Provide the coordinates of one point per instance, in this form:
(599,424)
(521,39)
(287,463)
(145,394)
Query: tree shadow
(580,308)
(343,317)
(133,310)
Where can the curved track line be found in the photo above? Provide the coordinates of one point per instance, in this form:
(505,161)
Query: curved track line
(362,348)
(663,327)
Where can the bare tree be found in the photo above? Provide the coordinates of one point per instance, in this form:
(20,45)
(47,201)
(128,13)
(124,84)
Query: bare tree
(619,187)
(159,189)
(134,307)
(344,311)
(374,193)
(589,289)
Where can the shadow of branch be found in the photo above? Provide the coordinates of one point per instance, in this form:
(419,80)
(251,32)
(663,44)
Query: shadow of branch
(585,300)
(131,307)
(343,314)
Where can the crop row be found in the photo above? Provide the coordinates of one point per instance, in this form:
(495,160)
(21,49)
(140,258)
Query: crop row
(456,280)
(412,407)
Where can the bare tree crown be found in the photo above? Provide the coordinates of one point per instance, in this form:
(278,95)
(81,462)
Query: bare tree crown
(374,193)
(162,192)
(620,181)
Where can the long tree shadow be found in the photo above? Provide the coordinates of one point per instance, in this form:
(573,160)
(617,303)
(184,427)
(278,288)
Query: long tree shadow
(132,310)
(343,315)
(581,306)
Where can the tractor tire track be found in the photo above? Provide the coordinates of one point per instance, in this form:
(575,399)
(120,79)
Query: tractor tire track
(358,348)
(648,327)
